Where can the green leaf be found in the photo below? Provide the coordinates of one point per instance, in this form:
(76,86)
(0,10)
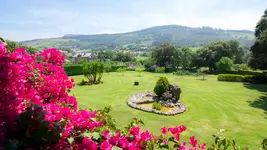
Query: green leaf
(96,135)
(70,140)
(87,134)
(163,146)
(176,145)
(171,139)
(13,144)
(233,142)
(2,40)
(116,148)
(36,106)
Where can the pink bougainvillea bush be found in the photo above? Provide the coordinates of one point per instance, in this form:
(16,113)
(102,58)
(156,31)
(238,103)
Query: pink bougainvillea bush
(37,112)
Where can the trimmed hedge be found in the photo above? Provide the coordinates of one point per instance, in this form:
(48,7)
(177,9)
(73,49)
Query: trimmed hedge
(230,77)
(254,73)
(114,68)
(73,69)
(243,78)
(247,72)
(77,69)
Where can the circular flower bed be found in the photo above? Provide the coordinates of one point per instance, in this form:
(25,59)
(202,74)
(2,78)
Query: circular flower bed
(136,100)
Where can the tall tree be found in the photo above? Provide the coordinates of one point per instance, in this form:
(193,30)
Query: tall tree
(259,49)
(166,55)
(123,57)
(186,57)
(213,52)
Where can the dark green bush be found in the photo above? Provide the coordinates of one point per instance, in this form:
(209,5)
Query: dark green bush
(156,105)
(160,70)
(93,71)
(73,69)
(247,72)
(240,67)
(255,79)
(230,77)
(161,86)
(250,72)
(243,78)
(224,64)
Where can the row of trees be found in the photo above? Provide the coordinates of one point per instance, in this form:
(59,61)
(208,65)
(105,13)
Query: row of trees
(170,57)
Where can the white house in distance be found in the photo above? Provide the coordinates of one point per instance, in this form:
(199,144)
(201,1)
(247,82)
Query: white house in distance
(86,56)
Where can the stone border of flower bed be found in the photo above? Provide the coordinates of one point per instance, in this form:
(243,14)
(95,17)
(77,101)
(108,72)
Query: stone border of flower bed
(136,98)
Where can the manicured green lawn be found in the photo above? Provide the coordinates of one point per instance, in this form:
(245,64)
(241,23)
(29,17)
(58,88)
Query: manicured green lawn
(212,105)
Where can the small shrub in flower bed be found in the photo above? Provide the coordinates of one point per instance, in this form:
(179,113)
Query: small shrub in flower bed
(156,105)
(162,85)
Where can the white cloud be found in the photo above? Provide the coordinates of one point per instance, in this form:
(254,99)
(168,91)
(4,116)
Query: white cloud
(138,14)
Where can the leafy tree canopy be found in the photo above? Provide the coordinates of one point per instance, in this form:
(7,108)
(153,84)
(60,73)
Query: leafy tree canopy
(213,52)
(259,49)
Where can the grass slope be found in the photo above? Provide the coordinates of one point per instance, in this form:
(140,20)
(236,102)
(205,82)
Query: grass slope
(212,105)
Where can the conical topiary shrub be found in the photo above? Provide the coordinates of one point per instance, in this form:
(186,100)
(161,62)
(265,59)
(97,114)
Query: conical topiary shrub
(161,86)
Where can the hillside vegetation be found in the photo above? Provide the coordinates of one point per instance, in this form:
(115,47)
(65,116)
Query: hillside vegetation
(146,39)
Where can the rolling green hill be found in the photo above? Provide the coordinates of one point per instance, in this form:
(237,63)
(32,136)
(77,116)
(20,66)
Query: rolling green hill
(146,39)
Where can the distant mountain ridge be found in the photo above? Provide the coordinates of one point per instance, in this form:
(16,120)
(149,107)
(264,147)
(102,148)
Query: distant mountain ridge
(146,38)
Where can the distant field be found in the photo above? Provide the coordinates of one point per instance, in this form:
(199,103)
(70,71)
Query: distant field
(140,58)
(212,105)
(248,36)
(53,42)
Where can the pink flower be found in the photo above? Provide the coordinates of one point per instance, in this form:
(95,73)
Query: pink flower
(177,136)
(182,146)
(146,136)
(89,144)
(182,128)
(164,130)
(165,142)
(202,146)
(193,141)
(105,145)
(134,130)
(106,134)
(113,140)
(2,48)
(72,79)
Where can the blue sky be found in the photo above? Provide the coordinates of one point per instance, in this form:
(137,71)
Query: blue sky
(30,19)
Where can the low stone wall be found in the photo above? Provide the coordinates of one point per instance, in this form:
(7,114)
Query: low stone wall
(136,99)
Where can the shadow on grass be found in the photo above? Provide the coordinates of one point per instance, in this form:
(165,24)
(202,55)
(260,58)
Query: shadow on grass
(258,87)
(261,102)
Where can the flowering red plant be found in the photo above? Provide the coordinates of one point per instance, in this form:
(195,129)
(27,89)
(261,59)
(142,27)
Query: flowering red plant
(37,112)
